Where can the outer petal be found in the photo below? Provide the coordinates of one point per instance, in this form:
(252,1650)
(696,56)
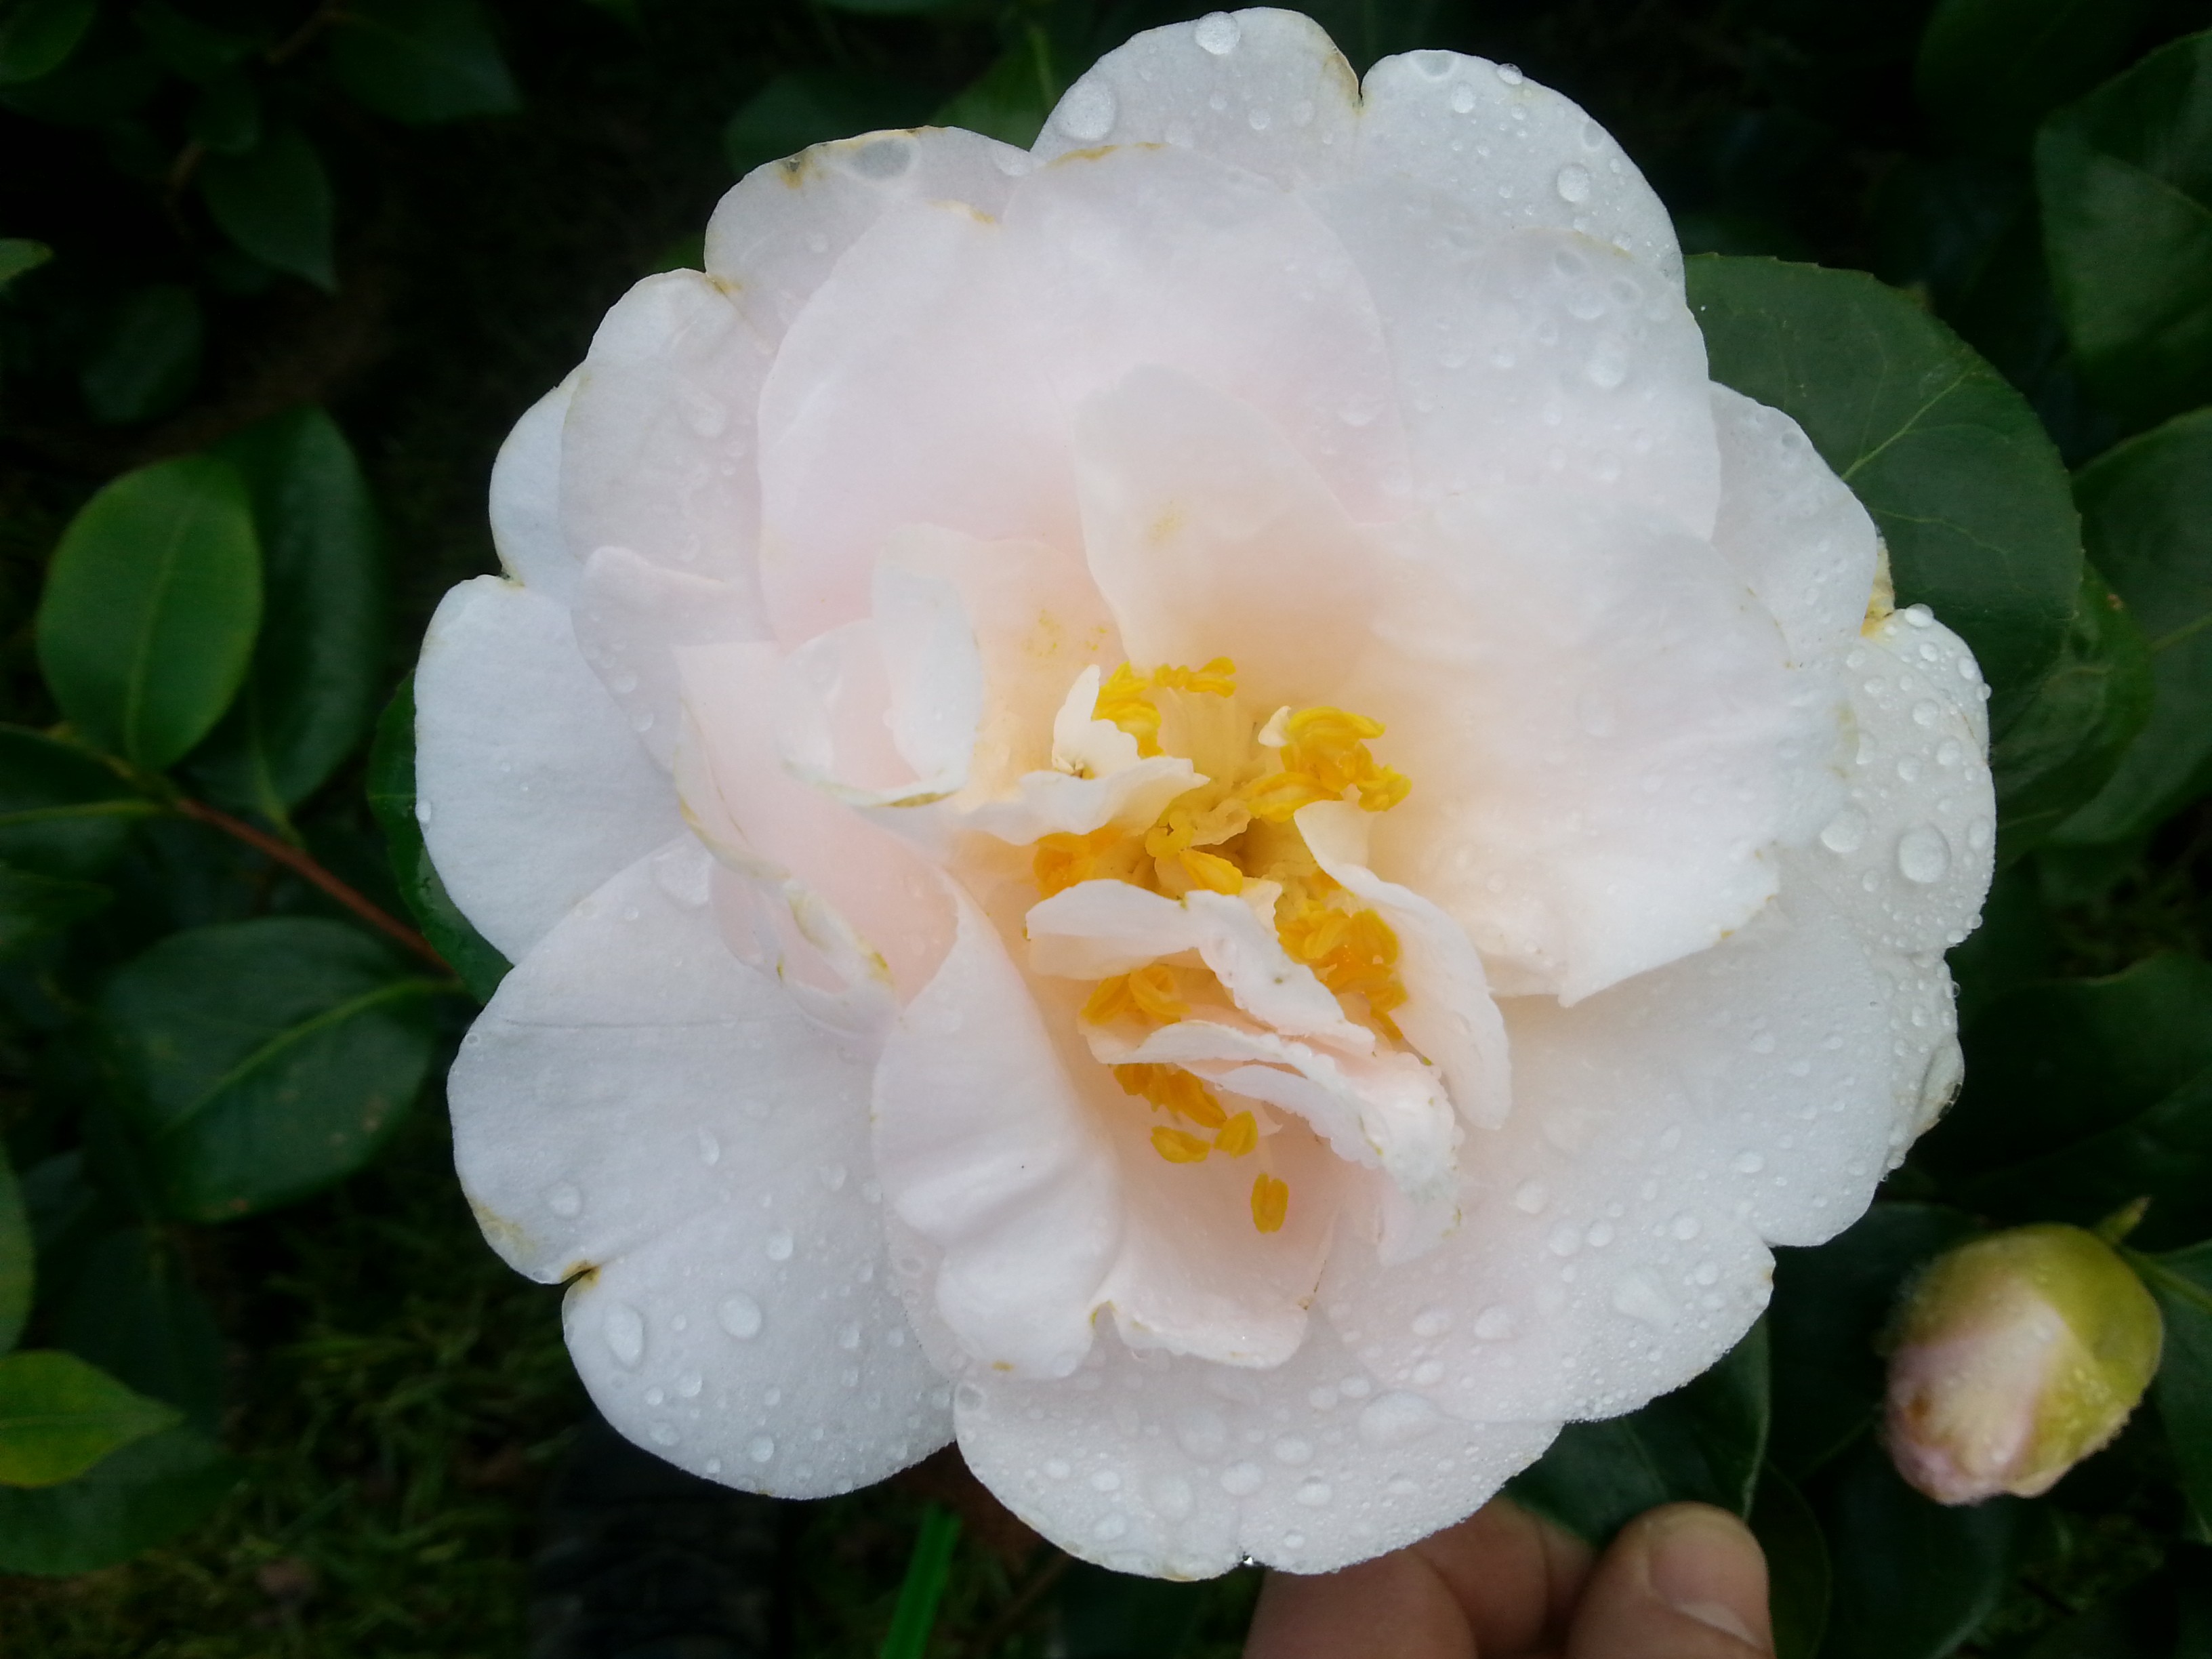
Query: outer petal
(531,786)
(1512,153)
(1263,89)
(659,451)
(638,1112)
(1174,1467)
(1600,728)
(776,236)
(632,616)
(525,498)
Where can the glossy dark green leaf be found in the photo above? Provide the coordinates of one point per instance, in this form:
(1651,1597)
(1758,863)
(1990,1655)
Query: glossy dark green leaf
(317,677)
(421,60)
(1830,1305)
(152,601)
(2016,945)
(18,255)
(2138,1624)
(1989,71)
(16,1268)
(392,796)
(2143,517)
(274,201)
(259,1061)
(1009,101)
(1797,1573)
(2082,1094)
(1911,1579)
(37,36)
(128,1310)
(150,359)
(2125,180)
(810,107)
(62,812)
(35,909)
(144,1494)
(2065,742)
(59,1416)
(1702,1443)
(2182,1282)
(1962,480)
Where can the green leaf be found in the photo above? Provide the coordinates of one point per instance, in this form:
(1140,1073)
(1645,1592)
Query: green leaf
(2143,514)
(128,1310)
(1830,1305)
(37,36)
(260,1061)
(923,1587)
(15,1257)
(2082,1094)
(59,1416)
(63,813)
(148,620)
(1911,1579)
(421,60)
(18,255)
(801,108)
(190,47)
(150,360)
(1702,1443)
(35,909)
(893,8)
(392,797)
(2125,179)
(1990,70)
(1102,1614)
(136,1498)
(1797,1572)
(2065,743)
(2016,945)
(312,693)
(1963,483)
(225,116)
(274,201)
(1009,101)
(2182,1282)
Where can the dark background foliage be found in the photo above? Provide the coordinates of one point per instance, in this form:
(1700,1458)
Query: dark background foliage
(219,217)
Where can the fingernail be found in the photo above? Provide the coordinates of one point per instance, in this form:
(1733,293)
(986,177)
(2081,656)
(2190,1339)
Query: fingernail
(1705,1565)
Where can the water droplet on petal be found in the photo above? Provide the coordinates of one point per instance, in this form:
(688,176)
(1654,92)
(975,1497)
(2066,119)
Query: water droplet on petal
(1218,32)
(1087,113)
(625,1328)
(740,1316)
(1463,98)
(1922,854)
(778,1246)
(1846,832)
(761,1448)
(1511,75)
(1573,183)
(1394,1419)
(1241,1479)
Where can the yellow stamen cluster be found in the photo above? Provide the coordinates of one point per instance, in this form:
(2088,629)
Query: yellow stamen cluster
(1218,835)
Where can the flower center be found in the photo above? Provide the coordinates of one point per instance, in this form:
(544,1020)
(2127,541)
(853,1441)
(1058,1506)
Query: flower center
(1237,827)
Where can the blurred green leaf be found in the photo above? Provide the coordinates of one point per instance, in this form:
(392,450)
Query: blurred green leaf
(1009,101)
(1911,1579)
(2062,746)
(1990,70)
(18,255)
(801,108)
(1830,1305)
(2082,1094)
(275,202)
(226,115)
(35,909)
(2143,515)
(312,693)
(16,1271)
(194,49)
(2182,1282)
(392,796)
(895,7)
(63,813)
(150,360)
(148,620)
(141,1496)
(1702,1443)
(923,1587)
(1954,466)
(421,60)
(59,1416)
(129,1310)
(97,92)
(260,1061)
(1797,1572)
(2125,179)
(2016,943)
(37,36)
(1101,1614)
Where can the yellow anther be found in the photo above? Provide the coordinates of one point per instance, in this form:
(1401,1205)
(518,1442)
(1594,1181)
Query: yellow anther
(1153,990)
(1271,1201)
(1331,728)
(1060,861)
(1179,1146)
(1238,1136)
(1175,1089)
(1125,699)
(1212,871)
(1217,680)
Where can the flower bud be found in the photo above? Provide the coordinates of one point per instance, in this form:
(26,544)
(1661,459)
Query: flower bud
(2012,1359)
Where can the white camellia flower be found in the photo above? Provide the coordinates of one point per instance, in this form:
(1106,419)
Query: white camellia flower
(1188,807)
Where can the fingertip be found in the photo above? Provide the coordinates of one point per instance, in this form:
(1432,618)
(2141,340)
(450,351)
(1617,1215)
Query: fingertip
(1685,1581)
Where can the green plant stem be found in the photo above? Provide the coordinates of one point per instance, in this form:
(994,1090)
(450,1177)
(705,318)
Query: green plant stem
(303,865)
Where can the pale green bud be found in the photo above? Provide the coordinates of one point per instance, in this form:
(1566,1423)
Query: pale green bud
(2012,1359)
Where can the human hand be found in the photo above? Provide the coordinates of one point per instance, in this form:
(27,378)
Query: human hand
(1684,1582)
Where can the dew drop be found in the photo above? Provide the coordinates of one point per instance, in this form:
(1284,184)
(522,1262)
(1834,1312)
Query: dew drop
(1643,1300)
(1293,1450)
(1314,1494)
(1463,98)
(688,1385)
(778,1246)
(761,1448)
(564,1200)
(1922,854)
(1086,114)
(663,1434)
(1748,1163)
(1510,75)
(1218,32)
(1685,1226)
(1846,832)
(1431,1322)
(1395,1418)
(1529,1198)
(1573,183)
(624,1328)
(1241,1479)
(740,1316)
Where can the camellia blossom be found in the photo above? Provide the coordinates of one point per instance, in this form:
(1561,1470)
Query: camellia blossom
(1187,806)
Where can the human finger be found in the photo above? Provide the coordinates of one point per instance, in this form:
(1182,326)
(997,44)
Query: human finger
(1685,1581)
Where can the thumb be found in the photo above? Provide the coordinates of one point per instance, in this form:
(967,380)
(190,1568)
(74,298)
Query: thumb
(1685,1582)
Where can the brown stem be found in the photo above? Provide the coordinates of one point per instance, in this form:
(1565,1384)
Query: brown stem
(304,867)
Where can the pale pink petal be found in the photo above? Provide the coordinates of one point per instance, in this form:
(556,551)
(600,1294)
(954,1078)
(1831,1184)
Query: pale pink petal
(525,498)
